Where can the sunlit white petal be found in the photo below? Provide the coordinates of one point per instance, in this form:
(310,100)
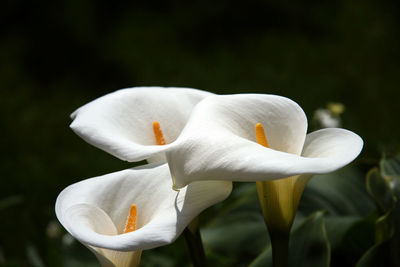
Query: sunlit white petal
(218,142)
(95,210)
(333,147)
(121,122)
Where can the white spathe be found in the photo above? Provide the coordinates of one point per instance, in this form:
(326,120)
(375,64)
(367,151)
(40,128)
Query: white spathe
(121,122)
(219,142)
(95,210)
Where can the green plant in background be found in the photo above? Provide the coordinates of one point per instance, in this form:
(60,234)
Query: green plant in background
(331,205)
(383,184)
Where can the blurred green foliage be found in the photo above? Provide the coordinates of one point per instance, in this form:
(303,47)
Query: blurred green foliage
(58,55)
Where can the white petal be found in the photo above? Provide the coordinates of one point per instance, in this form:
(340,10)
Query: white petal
(284,121)
(88,208)
(91,218)
(112,258)
(334,147)
(220,135)
(218,149)
(121,122)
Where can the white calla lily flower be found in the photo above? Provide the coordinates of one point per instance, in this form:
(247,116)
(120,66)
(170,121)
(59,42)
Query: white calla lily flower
(219,142)
(225,140)
(95,211)
(121,123)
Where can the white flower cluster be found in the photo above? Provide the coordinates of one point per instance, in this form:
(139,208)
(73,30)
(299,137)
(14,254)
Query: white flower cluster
(209,142)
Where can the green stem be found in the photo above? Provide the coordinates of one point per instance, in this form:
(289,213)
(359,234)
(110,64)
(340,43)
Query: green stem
(279,200)
(280,248)
(194,243)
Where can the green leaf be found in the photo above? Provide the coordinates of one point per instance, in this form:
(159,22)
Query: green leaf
(378,255)
(358,238)
(337,227)
(245,232)
(390,166)
(264,259)
(238,231)
(379,189)
(385,250)
(308,246)
(341,193)
(384,228)
(390,169)
(384,187)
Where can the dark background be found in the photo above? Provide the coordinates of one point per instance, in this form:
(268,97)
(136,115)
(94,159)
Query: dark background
(58,55)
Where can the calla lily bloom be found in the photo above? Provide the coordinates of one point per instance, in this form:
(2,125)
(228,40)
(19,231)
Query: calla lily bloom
(219,142)
(95,211)
(134,124)
(121,123)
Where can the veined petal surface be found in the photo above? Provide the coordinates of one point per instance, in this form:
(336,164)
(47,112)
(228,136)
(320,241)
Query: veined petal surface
(121,122)
(95,210)
(218,142)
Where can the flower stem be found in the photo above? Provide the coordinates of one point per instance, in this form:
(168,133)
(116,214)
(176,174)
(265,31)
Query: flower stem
(194,243)
(280,248)
(279,200)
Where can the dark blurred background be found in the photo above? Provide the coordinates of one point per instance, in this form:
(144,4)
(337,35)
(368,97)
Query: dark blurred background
(58,55)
